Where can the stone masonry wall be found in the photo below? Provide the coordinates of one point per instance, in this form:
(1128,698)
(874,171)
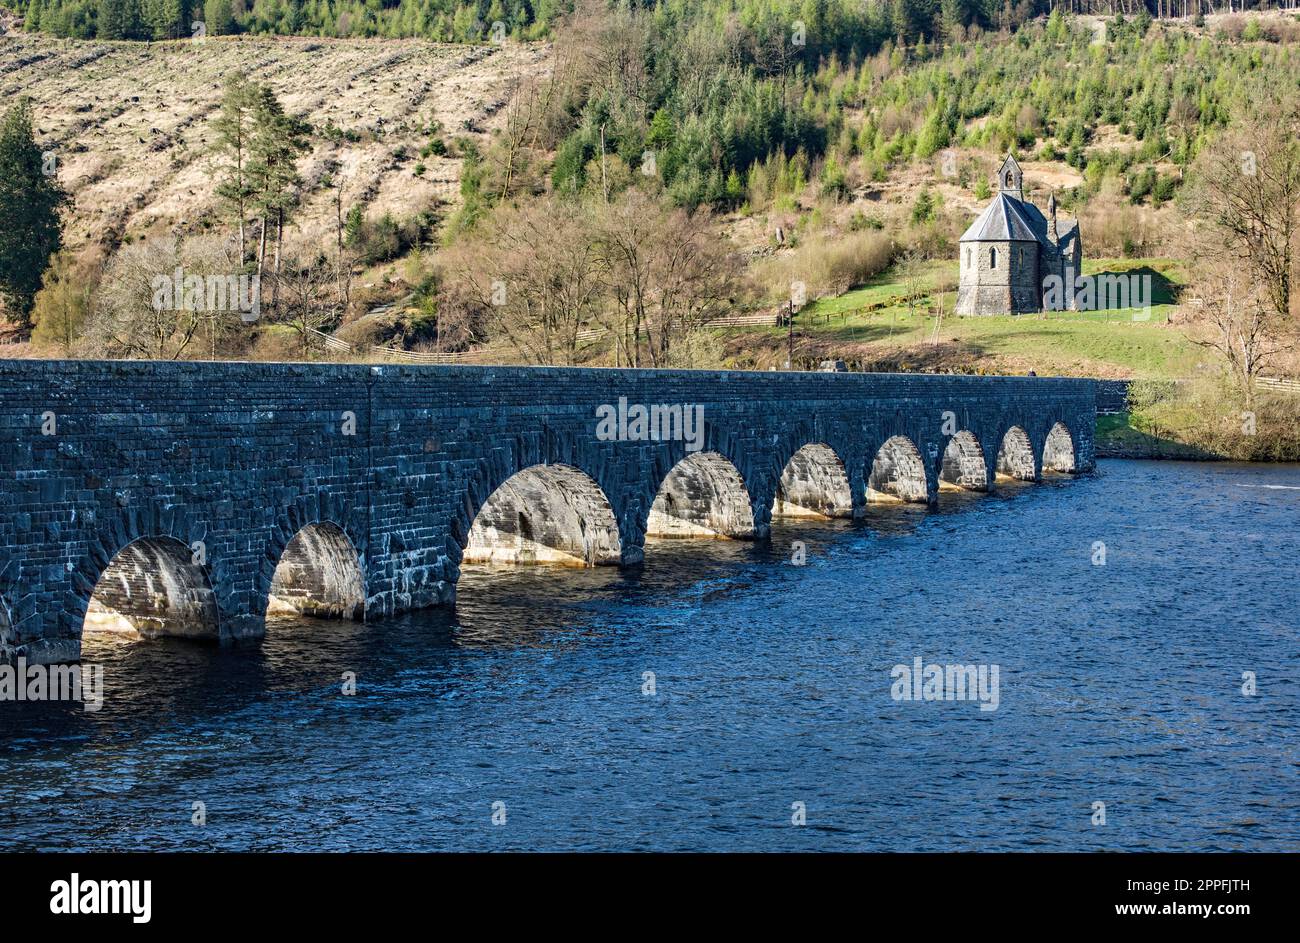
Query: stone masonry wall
(232,459)
(1011,288)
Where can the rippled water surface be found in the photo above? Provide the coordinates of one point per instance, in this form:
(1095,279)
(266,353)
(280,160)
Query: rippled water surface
(1118,684)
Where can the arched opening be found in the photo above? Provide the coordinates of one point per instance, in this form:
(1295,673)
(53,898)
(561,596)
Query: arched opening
(703,496)
(963,464)
(813,484)
(898,473)
(319,574)
(993,258)
(545,514)
(1016,455)
(1058,451)
(154,587)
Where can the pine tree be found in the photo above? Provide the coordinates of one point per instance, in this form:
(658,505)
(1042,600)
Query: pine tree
(234,127)
(119,19)
(220,17)
(276,141)
(30,201)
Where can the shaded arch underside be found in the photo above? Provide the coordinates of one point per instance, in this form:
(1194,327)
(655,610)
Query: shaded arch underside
(1016,455)
(963,464)
(552,514)
(1058,451)
(319,574)
(897,473)
(152,588)
(702,496)
(813,484)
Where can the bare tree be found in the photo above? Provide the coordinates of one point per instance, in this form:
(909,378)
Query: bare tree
(520,127)
(911,269)
(668,274)
(157,295)
(309,299)
(532,277)
(1246,191)
(1236,319)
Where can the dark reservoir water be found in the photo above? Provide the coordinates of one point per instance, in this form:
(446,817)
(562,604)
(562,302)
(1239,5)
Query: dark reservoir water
(1119,683)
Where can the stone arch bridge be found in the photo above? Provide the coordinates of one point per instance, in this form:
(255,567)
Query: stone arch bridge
(193,498)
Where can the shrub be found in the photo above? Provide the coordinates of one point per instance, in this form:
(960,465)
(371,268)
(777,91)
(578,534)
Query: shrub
(827,265)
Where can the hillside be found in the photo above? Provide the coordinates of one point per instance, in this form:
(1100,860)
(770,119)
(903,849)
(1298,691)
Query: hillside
(841,165)
(129,124)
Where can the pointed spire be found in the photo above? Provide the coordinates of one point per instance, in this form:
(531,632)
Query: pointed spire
(1051,217)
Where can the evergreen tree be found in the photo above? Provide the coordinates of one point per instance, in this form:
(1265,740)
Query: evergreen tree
(276,142)
(220,17)
(30,201)
(234,127)
(118,19)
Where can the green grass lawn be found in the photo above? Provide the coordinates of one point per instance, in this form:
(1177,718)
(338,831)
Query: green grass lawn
(1121,342)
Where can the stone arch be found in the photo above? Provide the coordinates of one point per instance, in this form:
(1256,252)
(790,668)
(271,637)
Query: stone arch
(545,514)
(993,257)
(703,495)
(328,511)
(1059,451)
(153,587)
(814,483)
(962,464)
(319,574)
(898,472)
(1016,455)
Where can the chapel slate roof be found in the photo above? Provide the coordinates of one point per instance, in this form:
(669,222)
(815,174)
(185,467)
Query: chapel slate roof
(1007,219)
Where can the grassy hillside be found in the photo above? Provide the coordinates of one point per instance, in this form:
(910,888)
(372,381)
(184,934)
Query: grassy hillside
(130,124)
(873,327)
(847,161)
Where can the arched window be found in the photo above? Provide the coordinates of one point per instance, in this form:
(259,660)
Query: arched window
(968,256)
(993,258)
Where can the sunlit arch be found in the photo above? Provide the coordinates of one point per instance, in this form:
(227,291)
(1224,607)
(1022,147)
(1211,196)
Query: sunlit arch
(1058,451)
(963,466)
(154,587)
(898,473)
(319,574)
(702,496)
(1016,455)
(552,514)
(813,484)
